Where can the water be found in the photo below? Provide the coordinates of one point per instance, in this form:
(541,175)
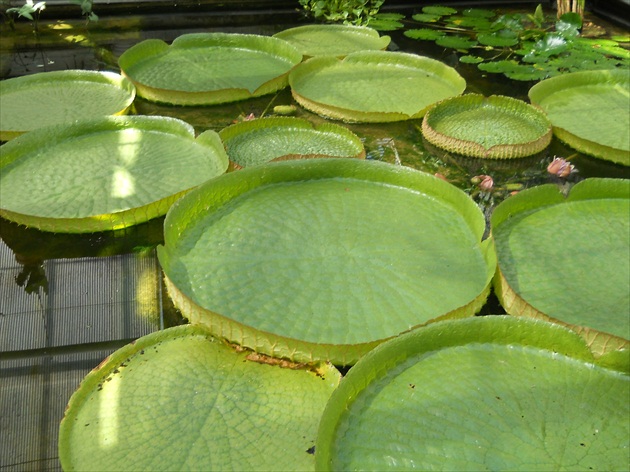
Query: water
(69,300)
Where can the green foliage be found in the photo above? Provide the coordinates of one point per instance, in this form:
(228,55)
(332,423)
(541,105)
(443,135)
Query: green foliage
(521,46)
(354,12)
(29,10)
(86,9)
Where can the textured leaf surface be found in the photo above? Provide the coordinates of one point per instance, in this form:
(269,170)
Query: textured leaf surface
(334,40)
(90,170)
(589,110)
(259,141)
(322,258)
(373,86)
(182,400)
(208,68)
(569,258)
(489,393)
(60,97)
(496,126)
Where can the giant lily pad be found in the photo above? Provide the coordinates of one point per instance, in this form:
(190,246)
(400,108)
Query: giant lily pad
(487,127)
(373,86)
(486,393)
(181,400)
(333,40)
(589,111)
(568,259)
(324,258)
(60,97)
(104,174)
(258,141)
(209,68)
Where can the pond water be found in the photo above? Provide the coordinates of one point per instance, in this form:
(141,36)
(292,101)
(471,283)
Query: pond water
(68,301)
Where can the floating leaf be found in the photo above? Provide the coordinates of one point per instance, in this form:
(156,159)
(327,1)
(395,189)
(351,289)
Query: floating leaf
(487,393)
(471,59)
(385,24)
(180,399)
(424,34)
(570,18)
(487,127)
(258,141)
(514,70)
(474,22)
(426,18)
(455,42)
(589,111)
(498,39)
(585,285)
(66,96)
(551,44)
(373,86)
(324,258)
(334,40)
(105,174)
(209,68)
(436,10)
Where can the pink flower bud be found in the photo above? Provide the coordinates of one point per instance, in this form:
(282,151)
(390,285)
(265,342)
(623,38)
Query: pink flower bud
(485,182)
(560,167)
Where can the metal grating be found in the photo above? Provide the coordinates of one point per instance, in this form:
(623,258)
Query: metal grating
(58,320)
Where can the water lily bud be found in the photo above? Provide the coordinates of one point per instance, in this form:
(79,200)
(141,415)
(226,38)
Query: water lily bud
(560,167)
(484,182)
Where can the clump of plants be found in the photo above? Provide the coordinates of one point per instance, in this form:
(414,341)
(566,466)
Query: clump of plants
(522,46)
(353,12)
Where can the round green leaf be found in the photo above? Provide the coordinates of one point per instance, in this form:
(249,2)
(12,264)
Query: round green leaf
(514,70)
(455,41)
(568,259)
(259,141)
(209,68)
(373,86)
(60,97)
(324,258)
(334,40)
(181,400)
(471,59)
(437,10)
(104,174)
(424,34)
(603,97)
(486,393)
(487,127)
(498,39)
(425,17)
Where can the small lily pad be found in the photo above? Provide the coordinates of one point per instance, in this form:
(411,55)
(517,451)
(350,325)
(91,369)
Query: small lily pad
(271,139)
(209,68)
(105,174)
(589,111)
(180,399)
(567,259)
(488,127)
(373,86)
(484,393)
(324,258)
(60,97)
(334,40)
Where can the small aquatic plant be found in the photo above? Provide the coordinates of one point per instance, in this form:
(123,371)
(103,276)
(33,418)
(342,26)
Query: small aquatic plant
(355,12)
(521,46)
